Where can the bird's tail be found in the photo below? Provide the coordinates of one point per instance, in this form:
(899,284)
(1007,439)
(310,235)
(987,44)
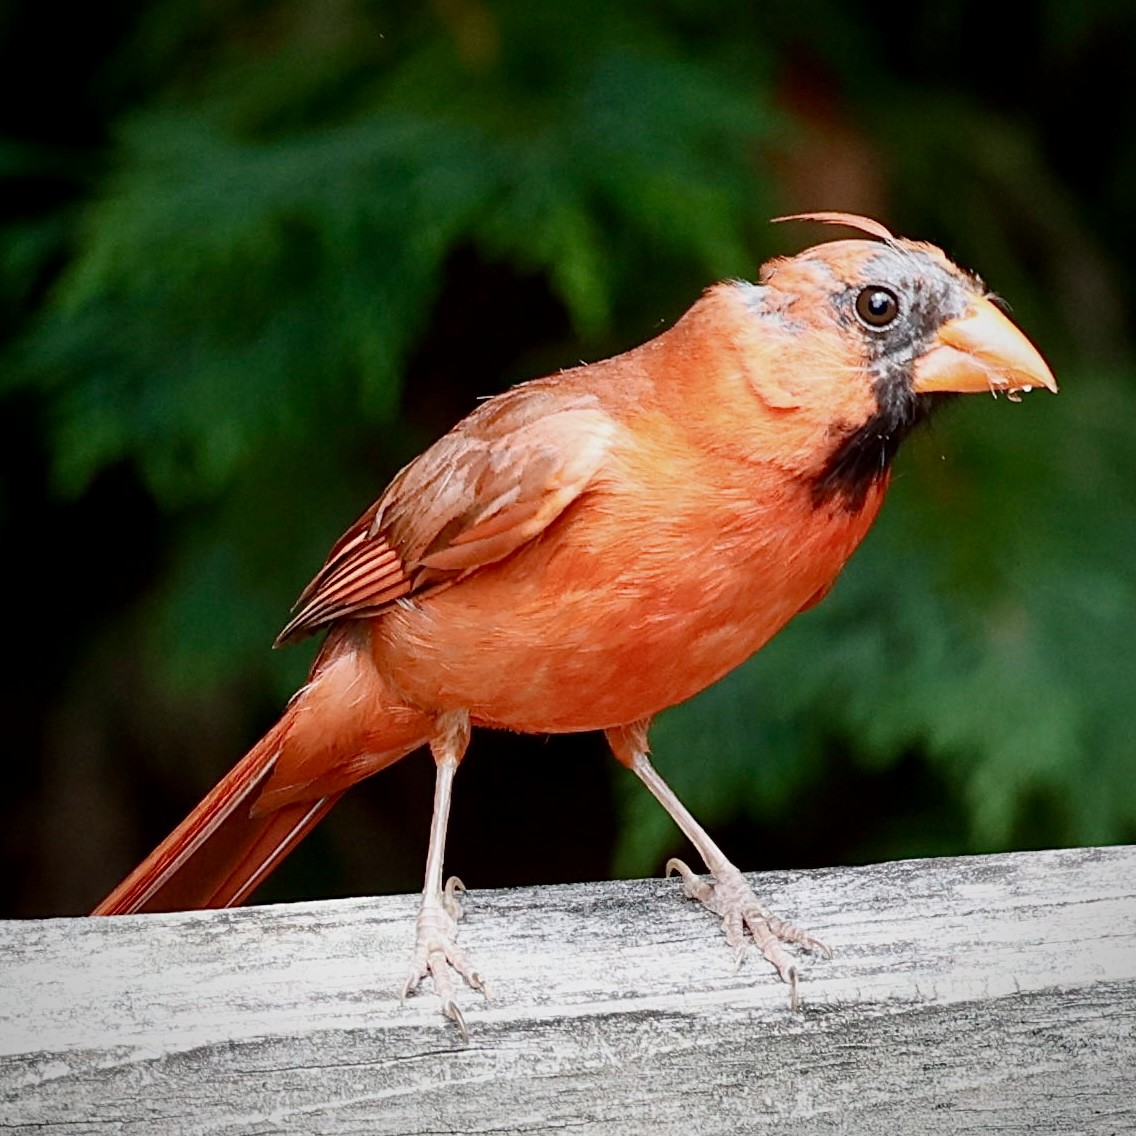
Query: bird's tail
(344,725)
(220,852)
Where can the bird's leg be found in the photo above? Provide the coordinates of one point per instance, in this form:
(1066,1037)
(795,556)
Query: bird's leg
(729,896)
(436,952)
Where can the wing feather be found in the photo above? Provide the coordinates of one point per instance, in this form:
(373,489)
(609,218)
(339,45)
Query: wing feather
(495,482)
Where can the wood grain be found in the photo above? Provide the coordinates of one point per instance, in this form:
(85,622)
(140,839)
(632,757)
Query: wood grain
(979,994)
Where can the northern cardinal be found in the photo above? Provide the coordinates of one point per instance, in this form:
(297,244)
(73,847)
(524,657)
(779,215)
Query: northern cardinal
(590,548)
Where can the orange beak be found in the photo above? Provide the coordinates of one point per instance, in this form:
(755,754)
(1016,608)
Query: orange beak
(981,351)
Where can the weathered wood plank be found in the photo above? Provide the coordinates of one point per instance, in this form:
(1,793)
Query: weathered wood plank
(980,994)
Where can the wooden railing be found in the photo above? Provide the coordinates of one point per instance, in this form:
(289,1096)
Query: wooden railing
(987,993)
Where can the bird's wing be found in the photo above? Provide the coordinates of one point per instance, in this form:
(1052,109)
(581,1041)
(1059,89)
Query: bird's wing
(492,484)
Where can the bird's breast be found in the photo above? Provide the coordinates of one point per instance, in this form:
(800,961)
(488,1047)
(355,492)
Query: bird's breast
(635,599)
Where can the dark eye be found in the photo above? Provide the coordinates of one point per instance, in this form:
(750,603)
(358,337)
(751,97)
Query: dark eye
(877,306)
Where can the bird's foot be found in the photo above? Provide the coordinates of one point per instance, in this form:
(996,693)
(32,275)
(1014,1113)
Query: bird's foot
(437,954)
(734,900)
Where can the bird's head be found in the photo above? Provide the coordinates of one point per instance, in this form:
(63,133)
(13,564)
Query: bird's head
(855,342)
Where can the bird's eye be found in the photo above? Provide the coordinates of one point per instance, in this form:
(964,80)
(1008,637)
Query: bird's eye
(877,306)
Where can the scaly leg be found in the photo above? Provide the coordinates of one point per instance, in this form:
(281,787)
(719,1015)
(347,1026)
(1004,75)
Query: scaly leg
(729,896)
(436,952)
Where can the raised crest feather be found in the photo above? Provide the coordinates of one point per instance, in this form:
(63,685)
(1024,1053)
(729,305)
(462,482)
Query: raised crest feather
(851,220)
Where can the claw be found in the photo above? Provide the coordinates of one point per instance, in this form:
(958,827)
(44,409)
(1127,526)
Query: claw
(694,887)
(454,887)
(437,954)
(410,985)
(451,1011)
(732,898)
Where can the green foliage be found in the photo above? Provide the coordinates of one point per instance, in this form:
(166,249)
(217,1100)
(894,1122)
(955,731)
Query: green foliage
(260,258)
(246,274)
(236,274)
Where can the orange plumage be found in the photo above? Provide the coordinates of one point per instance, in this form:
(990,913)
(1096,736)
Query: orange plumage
(590,548)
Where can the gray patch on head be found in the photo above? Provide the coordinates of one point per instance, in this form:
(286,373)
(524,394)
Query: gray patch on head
(769,304)
(929,294)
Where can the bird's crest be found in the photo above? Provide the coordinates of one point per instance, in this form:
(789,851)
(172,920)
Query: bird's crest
(850,220)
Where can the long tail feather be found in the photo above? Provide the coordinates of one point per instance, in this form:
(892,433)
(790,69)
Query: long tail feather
(218,854)
(342,726)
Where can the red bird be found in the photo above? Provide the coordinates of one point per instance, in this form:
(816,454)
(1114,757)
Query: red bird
(590,548)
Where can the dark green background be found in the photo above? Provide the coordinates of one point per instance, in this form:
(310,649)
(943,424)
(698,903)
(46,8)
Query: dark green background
(254,256)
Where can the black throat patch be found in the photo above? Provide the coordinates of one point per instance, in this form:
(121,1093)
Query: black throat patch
(864,456)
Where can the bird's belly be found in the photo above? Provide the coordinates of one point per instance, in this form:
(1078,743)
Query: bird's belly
(566,672)
(527,647)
